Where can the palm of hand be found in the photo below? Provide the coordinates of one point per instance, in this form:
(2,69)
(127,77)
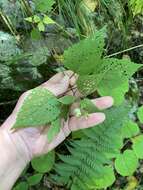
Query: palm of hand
(36,139)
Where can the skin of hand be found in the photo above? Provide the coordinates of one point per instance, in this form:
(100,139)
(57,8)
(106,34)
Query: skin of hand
(29,142)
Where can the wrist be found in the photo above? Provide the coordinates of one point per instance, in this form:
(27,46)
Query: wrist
(14,156)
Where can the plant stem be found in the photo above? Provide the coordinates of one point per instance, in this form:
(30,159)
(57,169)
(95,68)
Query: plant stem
(8,23)
(7,103)
(123,51)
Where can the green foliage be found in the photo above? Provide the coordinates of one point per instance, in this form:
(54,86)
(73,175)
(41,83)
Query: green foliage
(54,129)
(90,159)
(130,129)
(66,100)
(137,6)
(85,167)
(8,47)
(12,11)
(44,163)
(91,162)
(44,5)
(126,163)
(116,12)
(41,22)
(39,55)
(87,156)
(140,114)
(18,68)
(137,146)
(41,108)
(21,186)
(35,179)
(101,74)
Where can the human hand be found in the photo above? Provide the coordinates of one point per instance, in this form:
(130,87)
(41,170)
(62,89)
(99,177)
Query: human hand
(34,141)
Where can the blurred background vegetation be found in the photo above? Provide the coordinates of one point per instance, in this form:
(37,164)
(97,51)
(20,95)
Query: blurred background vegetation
(35,33)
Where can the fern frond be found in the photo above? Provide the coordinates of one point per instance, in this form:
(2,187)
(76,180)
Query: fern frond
(88,161)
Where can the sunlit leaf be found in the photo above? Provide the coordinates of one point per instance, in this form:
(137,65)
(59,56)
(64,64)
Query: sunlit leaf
(126,163)
(138,146)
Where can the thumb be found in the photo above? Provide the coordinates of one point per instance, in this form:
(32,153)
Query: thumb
(59,87)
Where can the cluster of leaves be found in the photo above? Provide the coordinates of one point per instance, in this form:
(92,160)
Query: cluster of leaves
(41,165)
(91,155)
(41,108)
(102,74)
(100,145)
(42,6)
(14,12)
(90,164)
(20,70)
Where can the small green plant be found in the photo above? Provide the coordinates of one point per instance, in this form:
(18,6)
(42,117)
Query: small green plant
(41,22)
(40,18)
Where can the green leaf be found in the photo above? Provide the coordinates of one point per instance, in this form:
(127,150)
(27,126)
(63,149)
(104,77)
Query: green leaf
(115,72)
(39,55)
(140,114)
(36,19)
(21,186)
(126,163)
(35,179)
(41,27)
(117,93)
(84,57)
(35,34)
(138,146)
(8,48)
(54,129)
(40,107)
(88,106)
(67,100)
(44,6)
(107,178)
(29,19)
(77,134)
(130,129)
(48,20)
(44,163)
